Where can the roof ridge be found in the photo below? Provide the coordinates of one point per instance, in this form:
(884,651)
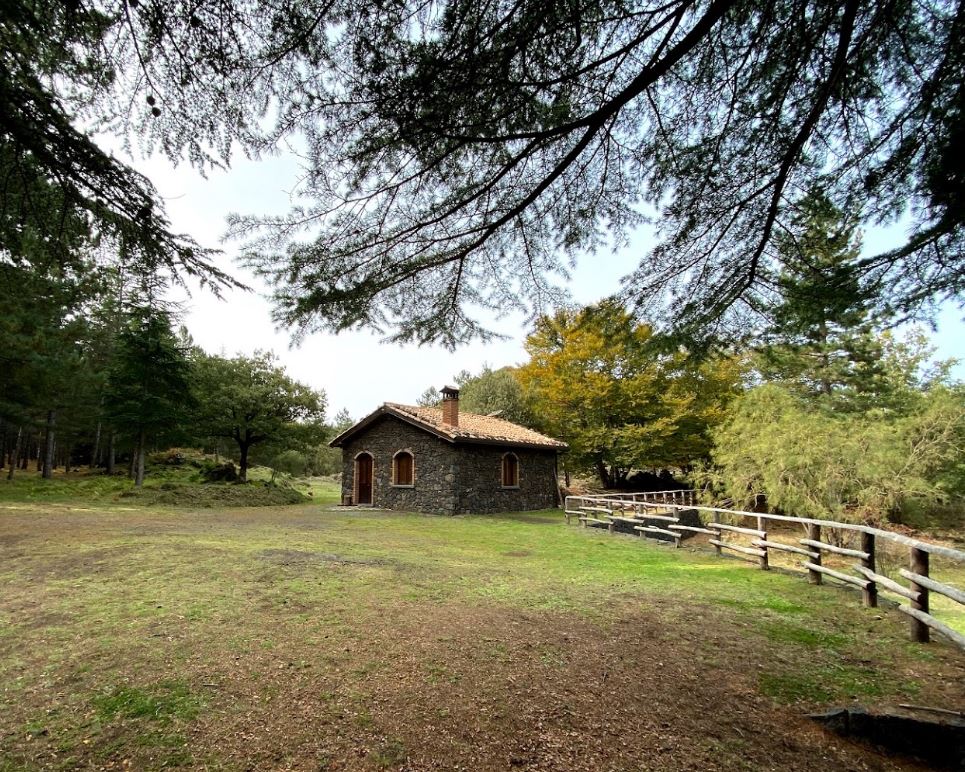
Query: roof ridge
(473,428)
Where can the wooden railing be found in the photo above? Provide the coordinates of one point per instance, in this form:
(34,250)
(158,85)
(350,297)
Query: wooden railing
(641,510)
(680,496)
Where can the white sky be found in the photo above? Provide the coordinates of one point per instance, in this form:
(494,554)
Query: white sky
(355,369)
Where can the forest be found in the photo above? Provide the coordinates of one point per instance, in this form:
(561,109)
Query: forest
(758,349)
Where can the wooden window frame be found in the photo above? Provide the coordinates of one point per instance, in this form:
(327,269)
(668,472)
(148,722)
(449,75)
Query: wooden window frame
(502,471)
(411,455)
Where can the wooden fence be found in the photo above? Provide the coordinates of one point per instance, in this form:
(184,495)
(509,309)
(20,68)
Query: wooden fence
(656,514)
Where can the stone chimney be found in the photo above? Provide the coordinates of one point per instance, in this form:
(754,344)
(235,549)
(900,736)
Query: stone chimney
(450,406)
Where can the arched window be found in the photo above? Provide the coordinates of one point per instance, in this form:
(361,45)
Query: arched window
(403,467)
(510,471)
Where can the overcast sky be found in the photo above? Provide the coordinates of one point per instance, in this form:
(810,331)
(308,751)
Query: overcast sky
(356,370)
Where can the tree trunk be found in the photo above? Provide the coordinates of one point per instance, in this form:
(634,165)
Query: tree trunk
(95,451)
(139,474)
(48,460)
(826,386)
(243,462)
(25,455)
(110,452)
(601,470)
(16,452)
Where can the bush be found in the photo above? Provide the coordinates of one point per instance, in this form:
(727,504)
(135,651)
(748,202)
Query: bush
(206,496)
(843,466)
(177,457)
(326,461)
(224,472)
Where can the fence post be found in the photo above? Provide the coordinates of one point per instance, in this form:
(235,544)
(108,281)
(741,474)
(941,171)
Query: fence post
(870,592)
(762,560)
(720,536)
(814,534)
(919,565)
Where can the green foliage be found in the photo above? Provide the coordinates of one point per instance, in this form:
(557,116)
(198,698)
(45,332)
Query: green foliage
(290,462)
(596,382)
(491,142)
(58,62)
(430,397)
(497,391)
(253,402)
(850,423)
(342,421)
(821,339)
(149,380)
(820,463)
(455,166)
(325,461)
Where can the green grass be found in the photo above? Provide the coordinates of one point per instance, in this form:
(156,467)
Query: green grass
(164,702)
(126,630)
(167,486)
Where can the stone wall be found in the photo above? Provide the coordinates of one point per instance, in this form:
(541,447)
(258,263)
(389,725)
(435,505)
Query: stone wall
(480,480)
(448,478)
(434,467)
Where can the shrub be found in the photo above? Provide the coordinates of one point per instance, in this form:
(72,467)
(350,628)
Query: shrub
(844,466)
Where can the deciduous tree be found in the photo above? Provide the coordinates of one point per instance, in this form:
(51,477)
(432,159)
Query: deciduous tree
(597,383)
(497,392)
(253,401)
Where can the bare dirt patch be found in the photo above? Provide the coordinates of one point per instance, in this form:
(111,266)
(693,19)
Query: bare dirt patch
(491,688)
(284,557)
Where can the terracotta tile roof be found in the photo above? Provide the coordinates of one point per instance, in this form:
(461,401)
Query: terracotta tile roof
(473,427)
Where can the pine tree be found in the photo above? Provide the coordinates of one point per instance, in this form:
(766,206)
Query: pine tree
(822,339)
(149,381)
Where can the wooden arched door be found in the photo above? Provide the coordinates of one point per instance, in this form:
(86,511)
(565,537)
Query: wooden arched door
(363,479)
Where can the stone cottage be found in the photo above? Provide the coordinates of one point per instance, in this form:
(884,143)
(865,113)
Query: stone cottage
(434,459)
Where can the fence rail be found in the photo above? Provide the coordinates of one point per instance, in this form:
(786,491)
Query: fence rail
(643,511)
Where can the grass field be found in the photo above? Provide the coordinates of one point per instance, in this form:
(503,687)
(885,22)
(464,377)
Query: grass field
(303,637)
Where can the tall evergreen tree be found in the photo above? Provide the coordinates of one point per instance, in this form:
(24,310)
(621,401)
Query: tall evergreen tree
(459,152)
(821,338)
(149,381)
